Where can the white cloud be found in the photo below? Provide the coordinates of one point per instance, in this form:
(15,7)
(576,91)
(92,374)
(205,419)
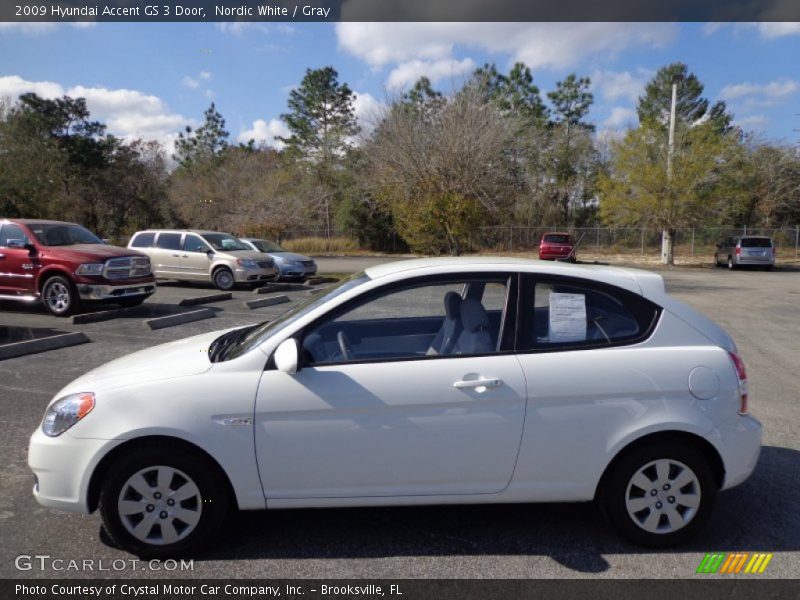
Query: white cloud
(767,29)
(127,113)
(615,85)
(779,88)
(240,28)
(41,28)
(753,122)
(264,132)
(620,117)
(194,82)
(552,45)
(775,30)
(408,73)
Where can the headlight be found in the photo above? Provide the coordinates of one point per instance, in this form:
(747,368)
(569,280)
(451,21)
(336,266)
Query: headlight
(247,263)
(66,411)
(90,269)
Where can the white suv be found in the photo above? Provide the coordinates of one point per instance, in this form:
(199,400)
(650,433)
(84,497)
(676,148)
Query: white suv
(193,255)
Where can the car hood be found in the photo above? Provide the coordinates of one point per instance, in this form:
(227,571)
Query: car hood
(181,358)
(87,252)
(288,256)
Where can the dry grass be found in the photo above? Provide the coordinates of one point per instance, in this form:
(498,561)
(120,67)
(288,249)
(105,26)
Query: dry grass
(317,246)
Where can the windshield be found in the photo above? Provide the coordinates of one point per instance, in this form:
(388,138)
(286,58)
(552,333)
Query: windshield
(266,246)
(260,334)
(224,242)
(62,234)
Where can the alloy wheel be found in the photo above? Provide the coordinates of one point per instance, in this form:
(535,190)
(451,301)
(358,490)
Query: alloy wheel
(663,496)
(160,505)
(58,297)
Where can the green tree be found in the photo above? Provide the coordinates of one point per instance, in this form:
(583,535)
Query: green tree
(207,142)
(322,125)
(638,189)
(514,92)
(690,108)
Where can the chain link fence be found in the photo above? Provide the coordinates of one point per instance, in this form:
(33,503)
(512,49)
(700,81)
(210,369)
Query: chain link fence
(698,241)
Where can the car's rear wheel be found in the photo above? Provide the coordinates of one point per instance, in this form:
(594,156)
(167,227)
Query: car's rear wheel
(163,501)
(223,279)
(659,495)
(59,296)
(731,264)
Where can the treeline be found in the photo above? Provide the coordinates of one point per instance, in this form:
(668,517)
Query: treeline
(428,168)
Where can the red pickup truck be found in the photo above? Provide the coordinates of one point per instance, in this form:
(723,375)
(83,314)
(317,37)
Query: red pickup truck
(64,265)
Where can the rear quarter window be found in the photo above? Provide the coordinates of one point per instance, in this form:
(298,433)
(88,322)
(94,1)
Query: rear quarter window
(169,241)
(143,240)
(566,313)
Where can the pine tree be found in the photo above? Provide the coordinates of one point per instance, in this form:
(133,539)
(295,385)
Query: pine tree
(210,140)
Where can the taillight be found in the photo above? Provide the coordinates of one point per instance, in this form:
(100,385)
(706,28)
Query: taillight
(738,251)
(741,373)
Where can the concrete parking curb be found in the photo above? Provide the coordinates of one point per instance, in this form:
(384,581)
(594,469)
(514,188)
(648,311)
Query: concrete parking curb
(271,288)
(103,315)
(266,301)
(44,344)
(180,318)
(319,280)
(205,299)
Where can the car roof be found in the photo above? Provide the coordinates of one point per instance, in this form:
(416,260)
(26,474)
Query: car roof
(555,233)
(636,280)
(197,231)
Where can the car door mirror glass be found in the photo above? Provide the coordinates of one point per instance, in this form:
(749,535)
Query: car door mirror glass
(286,356)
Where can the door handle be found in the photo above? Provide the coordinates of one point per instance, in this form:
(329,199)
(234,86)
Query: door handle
(2,255)
(477,383)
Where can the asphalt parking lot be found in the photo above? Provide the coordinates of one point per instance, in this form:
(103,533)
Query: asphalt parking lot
(760,310)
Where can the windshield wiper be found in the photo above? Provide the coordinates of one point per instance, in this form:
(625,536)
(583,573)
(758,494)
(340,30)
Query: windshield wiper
(220,346)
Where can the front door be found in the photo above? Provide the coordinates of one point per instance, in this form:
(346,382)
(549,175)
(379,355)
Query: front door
(17,267)
(383,407)
(195,260)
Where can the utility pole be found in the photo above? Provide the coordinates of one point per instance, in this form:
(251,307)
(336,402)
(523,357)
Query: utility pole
(666,234)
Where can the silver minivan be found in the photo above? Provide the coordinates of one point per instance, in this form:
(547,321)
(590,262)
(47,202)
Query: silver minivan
(751,250)
(210,256)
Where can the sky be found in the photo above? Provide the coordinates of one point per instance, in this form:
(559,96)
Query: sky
(150,80)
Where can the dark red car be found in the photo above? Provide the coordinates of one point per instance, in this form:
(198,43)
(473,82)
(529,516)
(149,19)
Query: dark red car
(64,265)
(557,246)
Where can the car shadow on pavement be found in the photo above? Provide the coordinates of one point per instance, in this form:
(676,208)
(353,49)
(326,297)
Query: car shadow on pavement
(759,515)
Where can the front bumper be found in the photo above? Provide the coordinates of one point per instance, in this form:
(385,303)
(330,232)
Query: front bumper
(63,467)
(298,270)
(243,275)
(89,291)
(739,444)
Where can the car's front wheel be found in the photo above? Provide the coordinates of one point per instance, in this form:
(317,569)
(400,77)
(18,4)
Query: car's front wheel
(163,501)
(659,495)
(59,296)
(223,279)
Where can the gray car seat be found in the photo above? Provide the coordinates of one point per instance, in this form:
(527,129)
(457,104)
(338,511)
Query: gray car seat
(451,326)
(475,338)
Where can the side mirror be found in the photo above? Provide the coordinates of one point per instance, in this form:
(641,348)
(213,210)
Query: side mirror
(209,253)
(22,245)
(287,356)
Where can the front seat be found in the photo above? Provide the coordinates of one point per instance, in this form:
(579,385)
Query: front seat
(475,338)
(451,326)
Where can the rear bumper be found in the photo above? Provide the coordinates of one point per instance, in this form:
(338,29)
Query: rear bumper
(115,292)
(755,260)
(554,255)
(739,444)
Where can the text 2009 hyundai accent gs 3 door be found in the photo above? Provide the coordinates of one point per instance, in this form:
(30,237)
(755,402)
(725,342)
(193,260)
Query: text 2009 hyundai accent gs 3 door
(417,382)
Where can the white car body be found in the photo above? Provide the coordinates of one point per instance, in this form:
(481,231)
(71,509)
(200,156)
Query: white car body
(399,432)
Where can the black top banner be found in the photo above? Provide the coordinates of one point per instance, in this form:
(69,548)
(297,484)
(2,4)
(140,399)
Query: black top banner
(400,10)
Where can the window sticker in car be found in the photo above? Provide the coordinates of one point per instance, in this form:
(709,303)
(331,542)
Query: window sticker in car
(567,317)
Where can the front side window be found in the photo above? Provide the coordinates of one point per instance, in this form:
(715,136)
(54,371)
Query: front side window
(169,241)
(193,243)
(567,313)
(10,231)
(224,242)
(451,317)
(62,234)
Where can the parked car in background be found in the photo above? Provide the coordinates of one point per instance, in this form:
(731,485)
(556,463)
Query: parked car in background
(433,381)
(557,246)
(749,250)
(64,265)
(209,256)
(289,264)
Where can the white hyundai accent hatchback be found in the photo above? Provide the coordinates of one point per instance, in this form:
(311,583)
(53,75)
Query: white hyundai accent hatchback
(437,381)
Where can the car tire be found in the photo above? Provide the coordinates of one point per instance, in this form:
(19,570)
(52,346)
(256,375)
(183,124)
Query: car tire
(131,302)
(59,296)
(222,278)
(150,525)
(731,264)
(678,499)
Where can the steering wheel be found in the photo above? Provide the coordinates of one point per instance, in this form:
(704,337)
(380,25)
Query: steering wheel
(344,346)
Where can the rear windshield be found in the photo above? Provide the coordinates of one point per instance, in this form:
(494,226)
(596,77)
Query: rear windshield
(756,243)
(557,238)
